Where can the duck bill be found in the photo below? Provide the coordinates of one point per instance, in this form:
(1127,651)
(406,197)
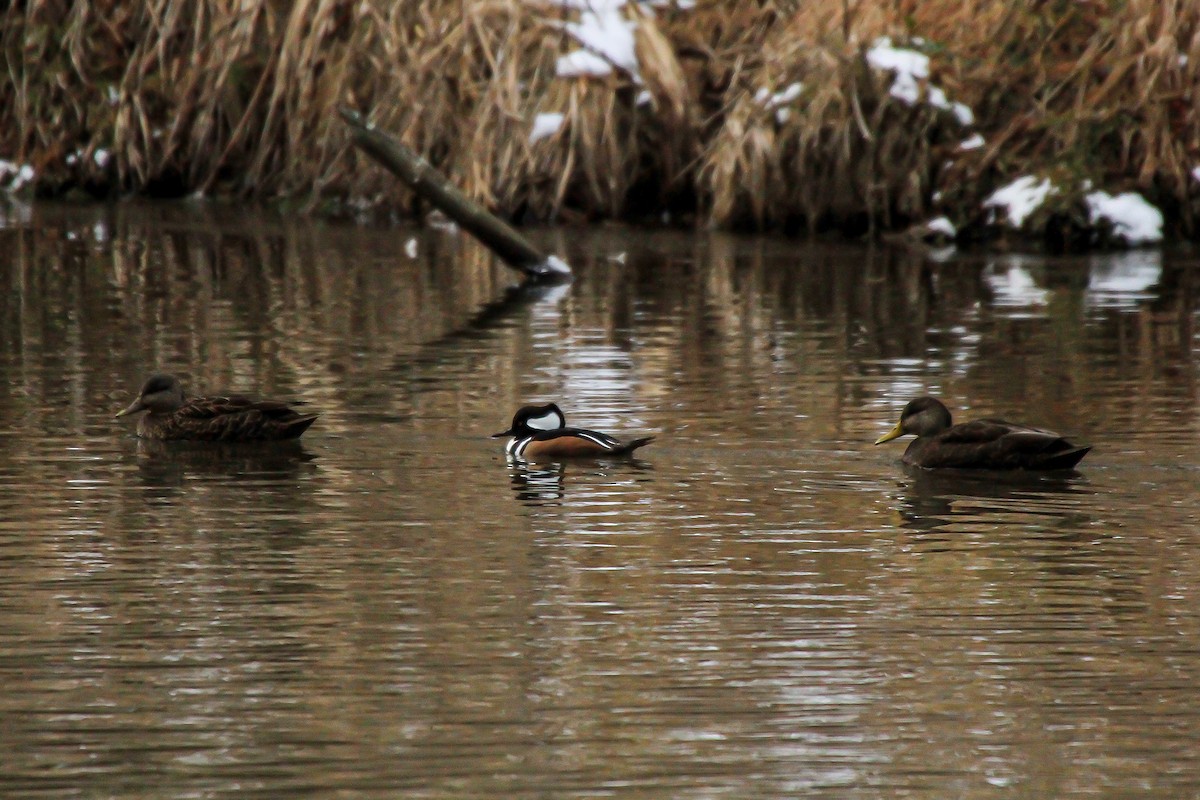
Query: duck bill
(894,433)
(134,407)
(508,432)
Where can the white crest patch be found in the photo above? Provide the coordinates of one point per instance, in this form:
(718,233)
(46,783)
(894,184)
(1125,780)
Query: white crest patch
(549,421)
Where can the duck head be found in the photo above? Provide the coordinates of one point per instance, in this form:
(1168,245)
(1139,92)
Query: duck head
(530,419)
(924,416)
(160,393)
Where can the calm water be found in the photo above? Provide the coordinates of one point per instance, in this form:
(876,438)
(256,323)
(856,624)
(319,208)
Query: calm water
(763,606)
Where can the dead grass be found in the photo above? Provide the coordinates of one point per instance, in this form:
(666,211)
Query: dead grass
(239,98)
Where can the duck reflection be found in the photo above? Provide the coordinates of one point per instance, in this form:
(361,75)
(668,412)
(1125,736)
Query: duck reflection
(936,498)
(544,483)
(166,464)
(537,484)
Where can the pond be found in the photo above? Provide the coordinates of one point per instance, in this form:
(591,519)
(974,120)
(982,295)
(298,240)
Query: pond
(762,604)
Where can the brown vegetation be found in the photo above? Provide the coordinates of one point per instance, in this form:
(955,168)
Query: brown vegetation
(240,99)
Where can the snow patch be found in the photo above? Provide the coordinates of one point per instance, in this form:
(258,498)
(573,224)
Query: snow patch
(15,176)
(1020,198)
(1132,219)
(909,68)
(607,38)
(973,142)
(553,265)
(545,125)
(941,226)
(961,112)
(779,99)
(582,64)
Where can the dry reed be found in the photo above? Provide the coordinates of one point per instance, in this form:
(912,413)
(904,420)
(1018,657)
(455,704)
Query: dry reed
(745,114)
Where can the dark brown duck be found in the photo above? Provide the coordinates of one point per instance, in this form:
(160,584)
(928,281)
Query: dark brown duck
(980,444)
(173,416)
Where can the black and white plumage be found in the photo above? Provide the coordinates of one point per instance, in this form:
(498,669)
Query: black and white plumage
(173,416)
(540,432)
(979,444)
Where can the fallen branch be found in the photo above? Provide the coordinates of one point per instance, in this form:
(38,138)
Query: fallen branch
(422,178)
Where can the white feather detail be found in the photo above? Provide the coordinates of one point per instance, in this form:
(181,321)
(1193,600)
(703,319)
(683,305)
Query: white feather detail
(551,420)
(602,439)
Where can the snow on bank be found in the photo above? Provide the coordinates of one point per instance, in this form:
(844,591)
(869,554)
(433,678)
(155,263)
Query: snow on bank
(606,35)
(1020,198)
(972,142)
(909,69)
(607,38)
(941,226)
(15,177)
(1132,219)
(779,100)
(545,125)
(1128,216)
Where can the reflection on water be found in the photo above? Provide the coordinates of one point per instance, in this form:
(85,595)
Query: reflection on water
(763,604)
(1124,279)
(1013,284)
(537,485)
(242,466)
(936,498)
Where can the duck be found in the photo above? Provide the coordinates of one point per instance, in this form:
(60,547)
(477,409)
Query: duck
(980,444)
(540,432)
(173,416)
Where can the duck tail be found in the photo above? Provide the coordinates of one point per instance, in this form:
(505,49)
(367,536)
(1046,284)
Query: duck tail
(293,428)
(630,446)
(1064,459)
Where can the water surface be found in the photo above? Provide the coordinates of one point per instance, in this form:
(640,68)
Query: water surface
(763,605)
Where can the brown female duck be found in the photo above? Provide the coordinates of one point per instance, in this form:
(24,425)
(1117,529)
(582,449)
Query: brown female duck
(980,444)
(173,416)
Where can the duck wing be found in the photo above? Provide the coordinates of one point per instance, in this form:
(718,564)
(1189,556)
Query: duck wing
(577,442)
(995,444)
(237,419)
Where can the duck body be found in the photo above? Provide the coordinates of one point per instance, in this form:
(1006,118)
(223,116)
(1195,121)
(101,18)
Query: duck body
(173,416)
(540,432)
(980,444)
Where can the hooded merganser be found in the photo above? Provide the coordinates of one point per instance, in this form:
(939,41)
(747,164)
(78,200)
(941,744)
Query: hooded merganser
(540,432)
(979,444)
(176,417)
